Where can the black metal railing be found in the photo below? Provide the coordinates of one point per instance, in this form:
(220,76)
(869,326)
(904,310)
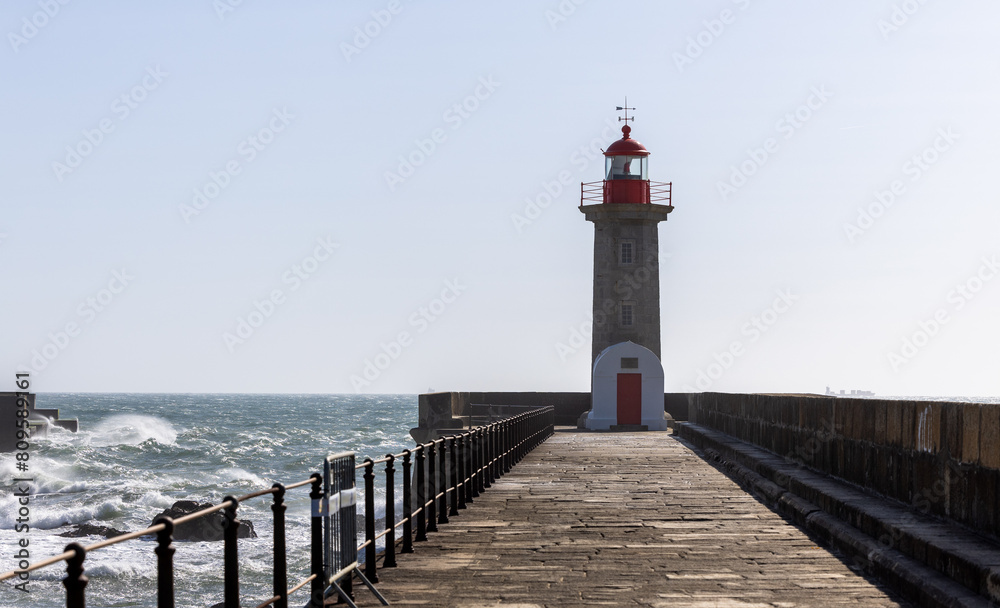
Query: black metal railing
(448,473)
(451,472)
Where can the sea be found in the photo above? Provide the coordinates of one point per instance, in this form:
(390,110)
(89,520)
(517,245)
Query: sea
(136,454)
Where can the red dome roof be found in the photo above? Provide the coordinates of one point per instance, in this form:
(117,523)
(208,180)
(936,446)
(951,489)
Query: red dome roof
(626,146)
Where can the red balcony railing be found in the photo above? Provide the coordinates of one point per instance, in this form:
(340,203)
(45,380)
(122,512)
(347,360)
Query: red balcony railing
(596,193)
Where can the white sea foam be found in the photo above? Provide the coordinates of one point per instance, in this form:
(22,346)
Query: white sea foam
(60,486)
(156,499)
(236,474)
(132,429)
(48,518)
(135,455)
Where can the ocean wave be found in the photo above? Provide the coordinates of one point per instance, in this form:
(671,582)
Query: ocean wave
(121,569)
(132,429)
(156,499)
(236,475)
(43,481)
(60,486)
(45,519)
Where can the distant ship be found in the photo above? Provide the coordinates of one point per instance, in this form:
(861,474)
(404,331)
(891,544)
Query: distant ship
(853,393)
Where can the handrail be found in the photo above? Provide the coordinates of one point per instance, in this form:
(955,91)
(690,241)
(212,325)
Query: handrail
(456,468)
(656,192)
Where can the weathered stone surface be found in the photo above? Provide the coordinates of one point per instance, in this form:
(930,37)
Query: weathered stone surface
(207,528)
(620,519)
(924,446)
(892,541)
(989,436)
(88,529)
(970,433)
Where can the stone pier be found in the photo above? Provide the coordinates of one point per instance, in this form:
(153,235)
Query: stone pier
(621,519)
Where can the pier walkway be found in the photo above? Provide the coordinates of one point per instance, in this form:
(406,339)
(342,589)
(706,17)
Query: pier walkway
(621,519)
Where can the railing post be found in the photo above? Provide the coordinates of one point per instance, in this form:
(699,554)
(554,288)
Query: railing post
(526,433)
(508,447)
(453,474)
(231,558)
(498,459)
(519,436)
(501,448)
(498,465)
(487,456)
(530,427)
(460,471)
(467,450)
(421,495)
(280,557)
(369,477)
(407,505)
(492,443)
(442,483)
(318,585)
(484,481)
(430,498)
(523,430)
(75,580)
(497,450)
(164,563)
(390,513)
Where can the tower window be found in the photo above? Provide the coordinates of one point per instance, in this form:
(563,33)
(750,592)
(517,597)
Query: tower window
(627,314)
(626,253)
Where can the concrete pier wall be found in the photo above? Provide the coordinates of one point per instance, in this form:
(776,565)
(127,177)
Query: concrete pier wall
(937,457)
(39,420)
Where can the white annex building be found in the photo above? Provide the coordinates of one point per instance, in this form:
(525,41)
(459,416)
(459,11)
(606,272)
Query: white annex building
(627,389)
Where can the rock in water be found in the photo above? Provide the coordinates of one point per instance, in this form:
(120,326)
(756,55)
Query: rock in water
(207,528)
(80,530)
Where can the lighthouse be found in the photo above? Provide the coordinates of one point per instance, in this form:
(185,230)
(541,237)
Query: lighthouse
(626,208)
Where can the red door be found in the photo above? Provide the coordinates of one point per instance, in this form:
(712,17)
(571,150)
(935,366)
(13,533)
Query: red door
(629,398)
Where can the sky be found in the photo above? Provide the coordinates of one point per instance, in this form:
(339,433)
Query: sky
(382,197)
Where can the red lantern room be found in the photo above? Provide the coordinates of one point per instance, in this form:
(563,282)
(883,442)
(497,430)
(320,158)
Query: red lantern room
(626,171)
(626,175)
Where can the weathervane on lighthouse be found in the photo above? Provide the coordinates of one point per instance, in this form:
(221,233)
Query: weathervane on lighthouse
(626,108)
(625,207)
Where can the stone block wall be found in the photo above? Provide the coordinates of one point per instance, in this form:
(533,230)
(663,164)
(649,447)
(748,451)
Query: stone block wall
(940,458)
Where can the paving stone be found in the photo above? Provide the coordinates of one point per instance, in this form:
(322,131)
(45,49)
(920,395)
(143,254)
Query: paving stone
(623,519)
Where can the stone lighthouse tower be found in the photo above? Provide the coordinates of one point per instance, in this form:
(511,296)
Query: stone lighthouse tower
(626,208)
